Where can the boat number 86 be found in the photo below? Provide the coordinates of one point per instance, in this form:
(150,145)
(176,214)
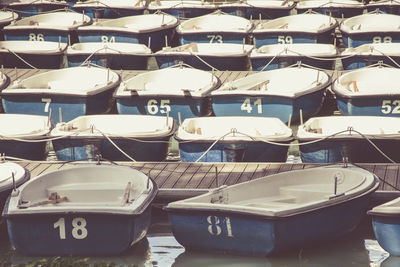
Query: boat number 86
(79,230)
(390,107)
(217,225)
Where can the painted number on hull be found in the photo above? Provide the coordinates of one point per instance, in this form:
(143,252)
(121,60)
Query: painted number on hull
(153,108)
(47,102)
(215,38)
(378,39)
(79,230)
(390,107)
(106,39)
(246,106)
(215,225)
(36,37)
(285,39)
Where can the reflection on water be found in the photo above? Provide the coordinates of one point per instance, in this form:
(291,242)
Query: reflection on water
(358,248)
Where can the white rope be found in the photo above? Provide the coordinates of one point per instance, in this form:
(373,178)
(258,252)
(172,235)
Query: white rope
(23,60)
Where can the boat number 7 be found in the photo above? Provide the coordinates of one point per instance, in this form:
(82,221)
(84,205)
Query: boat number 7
(387,107)
(152,106)
(47,105)
(246,105)
(215,225)
(79,230)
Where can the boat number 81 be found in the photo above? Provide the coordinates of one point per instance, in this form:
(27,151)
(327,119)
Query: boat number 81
(390,107)
(79,230)
(216,225)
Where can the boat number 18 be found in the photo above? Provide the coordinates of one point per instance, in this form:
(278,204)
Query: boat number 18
(390,107)
(217,225)
(79,230)
(248,106)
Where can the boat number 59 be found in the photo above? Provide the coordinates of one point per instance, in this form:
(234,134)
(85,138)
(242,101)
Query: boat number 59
(153,107)
(216,225)
(390,107)
(79,230)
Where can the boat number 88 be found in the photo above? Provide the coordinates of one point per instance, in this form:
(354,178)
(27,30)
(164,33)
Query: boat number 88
(216,225)
(79,230)
(385,39)
(390,107)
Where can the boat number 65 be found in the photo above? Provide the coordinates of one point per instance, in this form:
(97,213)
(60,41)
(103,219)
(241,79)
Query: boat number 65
(79,230)
(215,38)
(215,225)
(246,105)
(389,106)
(153,108)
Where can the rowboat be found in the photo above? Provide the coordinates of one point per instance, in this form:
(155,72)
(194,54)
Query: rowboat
(182,9)
(301,28)
(370,28)
(116,56)
(385,6)
(177,92)
(110,9)
(55,27)
(335,8)
(386,226)
(277,56)
(370,91)
(233,139)
(217,27)
(370,54)
(24,136)
(153,30)
(257,9)
(62,94)
(68,211)
(349,137)
(280,93)
(32,54)
(27,8)
(206,56)
(114,137)
(263,216)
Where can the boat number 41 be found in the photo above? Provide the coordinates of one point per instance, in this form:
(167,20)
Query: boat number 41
(248,106)
(216,226)
(390,107)
(79,230)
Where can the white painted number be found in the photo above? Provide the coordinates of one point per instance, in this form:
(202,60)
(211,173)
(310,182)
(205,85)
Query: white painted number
(106,39)
(214,227)
(378,39)
(79,230)
(47,105)
(215,38)
(36,37)
(152,106)
(285,39)
(246,105)
(392,107)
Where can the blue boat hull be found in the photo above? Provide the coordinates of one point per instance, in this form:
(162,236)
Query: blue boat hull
(35,34)
(108,13)
(369,106)
(86,234)
(70,106)
(39,61)
(239,63)
(387,233)
(24,150)
(261,235)
(212,37)
(269,106)
(157,38)
(88,148)
(336,12)
(357,39)
(267,38)
(112,61)
(388,9)
(233,152)
(360,61)
(187,107)
(186,13)
(282,62)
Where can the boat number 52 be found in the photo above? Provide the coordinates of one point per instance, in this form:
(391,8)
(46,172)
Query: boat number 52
(153,107)
(79,230)
(216,225)
(390,107)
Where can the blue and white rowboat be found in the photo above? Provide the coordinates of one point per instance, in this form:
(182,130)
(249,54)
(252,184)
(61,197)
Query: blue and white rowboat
(370,54)
(153,30)
(276,56)
(32,54)
(233,139)
(281,93)
(27,8)
(386,226)
(54,27)
(302,28)
(206,56)
(217,27)
(182,9)
(334,138)
(116,56)
(370,28)
(385,6)
(275,213)
(373,91)
(62,94)
(70,211)
(133,137)
(335,8)
(24,136)
(110,9)
(177,92)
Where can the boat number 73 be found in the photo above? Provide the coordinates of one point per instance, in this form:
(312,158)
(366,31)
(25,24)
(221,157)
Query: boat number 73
(247,106)
(79,230)
(215,38)
(216,225)
(390,107)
